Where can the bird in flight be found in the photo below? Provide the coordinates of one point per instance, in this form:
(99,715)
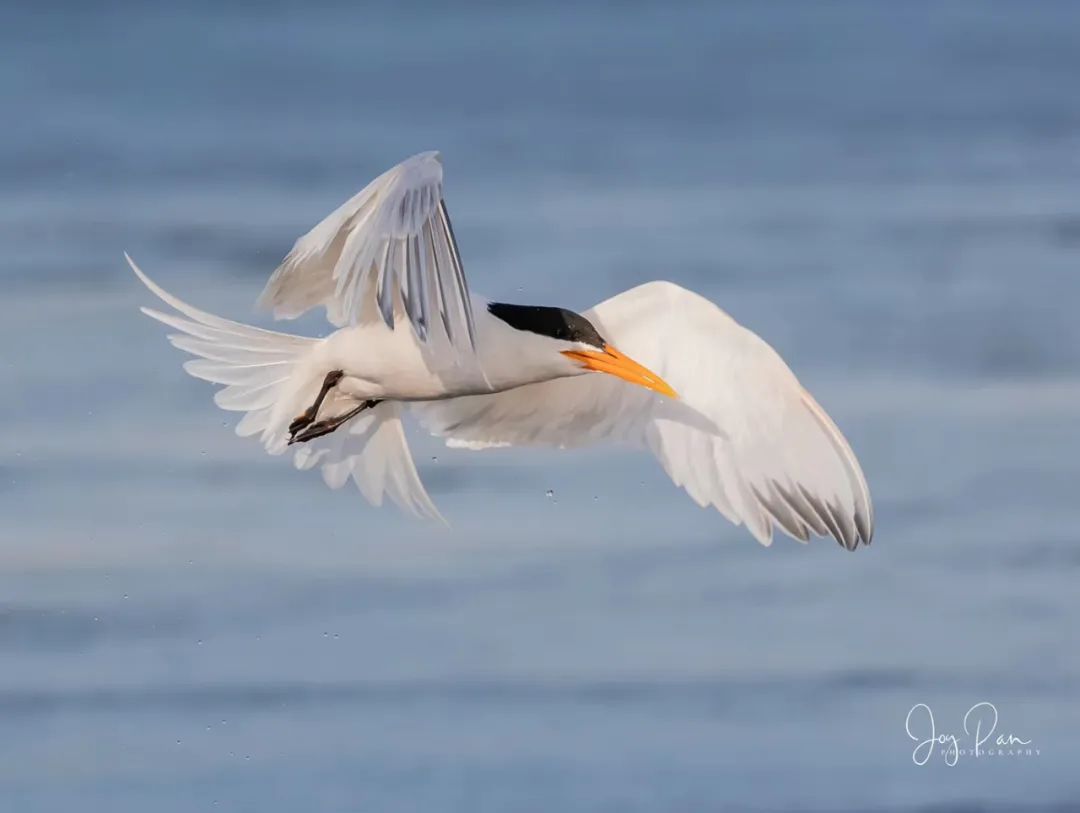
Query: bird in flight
(658,367)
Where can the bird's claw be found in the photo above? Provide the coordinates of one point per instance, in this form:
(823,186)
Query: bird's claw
(302,421)
(311,431)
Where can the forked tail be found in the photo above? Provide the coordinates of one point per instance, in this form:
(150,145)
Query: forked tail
(271,377)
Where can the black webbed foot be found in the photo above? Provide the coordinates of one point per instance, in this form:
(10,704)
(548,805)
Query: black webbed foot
(303,420)
(325,427)
(307,417)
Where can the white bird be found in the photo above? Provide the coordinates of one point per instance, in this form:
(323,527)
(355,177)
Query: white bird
(724,415)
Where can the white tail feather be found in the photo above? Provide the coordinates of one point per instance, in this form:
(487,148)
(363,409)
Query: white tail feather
(271,377)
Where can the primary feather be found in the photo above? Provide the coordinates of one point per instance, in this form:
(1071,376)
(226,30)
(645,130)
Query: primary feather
(388,251)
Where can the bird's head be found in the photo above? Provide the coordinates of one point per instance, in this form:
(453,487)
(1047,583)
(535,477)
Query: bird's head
(568,344)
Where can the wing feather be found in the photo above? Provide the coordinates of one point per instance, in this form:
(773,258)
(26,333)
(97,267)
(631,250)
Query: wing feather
(745,437)
(389,252)
(373,452)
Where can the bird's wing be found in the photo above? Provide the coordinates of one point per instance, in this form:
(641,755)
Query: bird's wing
(744,436)
(373,452)
(386,253)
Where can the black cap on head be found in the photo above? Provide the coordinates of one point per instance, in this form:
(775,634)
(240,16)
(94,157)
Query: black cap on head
(558,323)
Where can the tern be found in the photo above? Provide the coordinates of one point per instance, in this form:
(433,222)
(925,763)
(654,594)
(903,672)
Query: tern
(657,367)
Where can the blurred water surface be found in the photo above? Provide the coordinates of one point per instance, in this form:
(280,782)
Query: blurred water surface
(886,191)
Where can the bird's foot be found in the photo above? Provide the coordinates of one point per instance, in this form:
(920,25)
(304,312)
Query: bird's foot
(312,431)
(308,416)
(325,427)
(302,421)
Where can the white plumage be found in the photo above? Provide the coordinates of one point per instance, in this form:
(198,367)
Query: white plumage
(390,244)
(774,458)
(264,372)
(743,436)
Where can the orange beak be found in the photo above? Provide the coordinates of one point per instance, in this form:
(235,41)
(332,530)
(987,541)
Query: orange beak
(611,361)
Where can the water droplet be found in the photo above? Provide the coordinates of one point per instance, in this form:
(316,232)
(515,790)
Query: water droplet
(550,494)
(434,458)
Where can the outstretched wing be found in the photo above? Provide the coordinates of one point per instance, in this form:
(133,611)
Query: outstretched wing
(745,437)
(386,253)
